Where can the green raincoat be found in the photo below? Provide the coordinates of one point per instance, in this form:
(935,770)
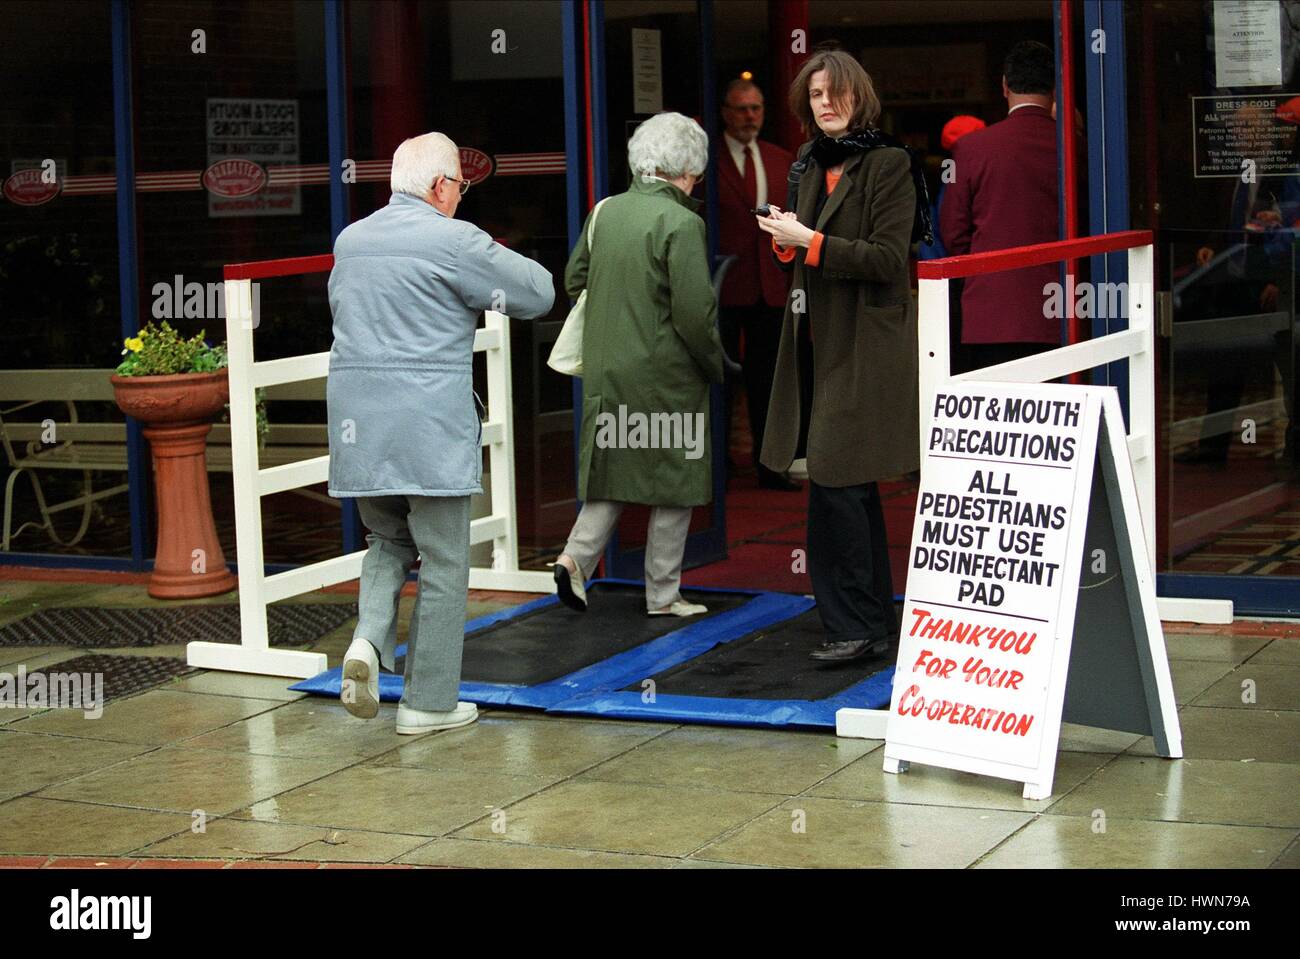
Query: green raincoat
(650,349)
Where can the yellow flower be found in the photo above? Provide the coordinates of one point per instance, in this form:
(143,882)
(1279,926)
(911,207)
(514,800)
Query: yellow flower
(134,344)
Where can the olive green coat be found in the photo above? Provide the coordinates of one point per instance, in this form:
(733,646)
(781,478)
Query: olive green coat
(650,345)
(858,300)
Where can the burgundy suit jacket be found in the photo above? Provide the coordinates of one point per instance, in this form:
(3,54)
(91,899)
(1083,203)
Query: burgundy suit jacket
(1005,194)
(738,232)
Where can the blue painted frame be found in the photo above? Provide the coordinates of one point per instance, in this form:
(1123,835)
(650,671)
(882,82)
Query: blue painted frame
(599,126)
(573,82)
(128,269)
(1063,332)
(1250,595)
(1108,174)
(712,541)
(599,174)
(572,133)
(336,111)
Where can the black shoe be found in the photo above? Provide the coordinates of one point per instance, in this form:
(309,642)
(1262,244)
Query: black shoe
(778,481)
(564,588)
(851,650)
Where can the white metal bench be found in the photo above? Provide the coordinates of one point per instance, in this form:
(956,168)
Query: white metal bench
(29,400)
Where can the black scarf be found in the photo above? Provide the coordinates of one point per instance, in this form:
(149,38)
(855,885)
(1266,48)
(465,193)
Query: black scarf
(830,153)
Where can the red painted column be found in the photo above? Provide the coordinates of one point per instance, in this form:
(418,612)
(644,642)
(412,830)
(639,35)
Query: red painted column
(788,50)
(397,80)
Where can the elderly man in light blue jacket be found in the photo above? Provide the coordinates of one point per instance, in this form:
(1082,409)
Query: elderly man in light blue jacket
(408,285)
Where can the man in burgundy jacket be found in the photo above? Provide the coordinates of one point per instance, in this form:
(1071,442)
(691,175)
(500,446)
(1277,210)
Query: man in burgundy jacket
(1005,194)
(751,172)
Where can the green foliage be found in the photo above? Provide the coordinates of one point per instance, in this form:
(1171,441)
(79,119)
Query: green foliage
(162,351)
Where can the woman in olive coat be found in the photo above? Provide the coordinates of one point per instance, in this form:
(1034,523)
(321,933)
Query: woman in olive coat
(845,390)
(650,350)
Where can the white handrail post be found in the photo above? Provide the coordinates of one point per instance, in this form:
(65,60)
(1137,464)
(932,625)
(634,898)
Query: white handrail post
(240,323)
(501,454)
(935,365)
(1142,385)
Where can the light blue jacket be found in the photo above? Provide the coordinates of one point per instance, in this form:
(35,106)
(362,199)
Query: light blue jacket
(406,291)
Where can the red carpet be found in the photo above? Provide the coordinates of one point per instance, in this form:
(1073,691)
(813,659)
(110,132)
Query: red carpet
(766,535)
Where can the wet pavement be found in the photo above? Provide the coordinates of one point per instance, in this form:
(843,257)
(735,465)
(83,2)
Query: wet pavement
(227,770)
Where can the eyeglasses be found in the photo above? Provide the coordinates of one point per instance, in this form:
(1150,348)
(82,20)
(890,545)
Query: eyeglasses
(464,184)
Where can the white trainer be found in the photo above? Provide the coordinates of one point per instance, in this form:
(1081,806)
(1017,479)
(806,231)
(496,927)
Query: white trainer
(680,608)
(412,722)
(360,692)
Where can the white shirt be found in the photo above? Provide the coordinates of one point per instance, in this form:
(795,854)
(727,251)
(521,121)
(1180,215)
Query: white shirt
(738,156)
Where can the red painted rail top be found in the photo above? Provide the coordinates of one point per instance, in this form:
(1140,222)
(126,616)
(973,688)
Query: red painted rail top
(292,266)
(994,261)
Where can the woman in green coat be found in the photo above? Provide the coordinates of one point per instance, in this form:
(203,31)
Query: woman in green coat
(650,350)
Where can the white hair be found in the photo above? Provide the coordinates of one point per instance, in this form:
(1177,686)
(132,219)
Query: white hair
(421,160)
(670,144)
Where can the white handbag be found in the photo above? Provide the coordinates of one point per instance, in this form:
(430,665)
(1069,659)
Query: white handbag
(566,354)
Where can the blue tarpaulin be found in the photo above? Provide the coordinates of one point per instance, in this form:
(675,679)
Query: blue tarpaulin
(599,689)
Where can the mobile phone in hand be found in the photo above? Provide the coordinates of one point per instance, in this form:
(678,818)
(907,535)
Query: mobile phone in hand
(763,210)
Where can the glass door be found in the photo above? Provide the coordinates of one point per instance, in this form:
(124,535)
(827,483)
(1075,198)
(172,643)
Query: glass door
(652,56)
(1215,170)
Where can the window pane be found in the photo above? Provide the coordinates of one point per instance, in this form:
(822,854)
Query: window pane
(222,87)
(59,275)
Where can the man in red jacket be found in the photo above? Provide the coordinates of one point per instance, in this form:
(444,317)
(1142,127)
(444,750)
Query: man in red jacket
(751,172)
(1005,194)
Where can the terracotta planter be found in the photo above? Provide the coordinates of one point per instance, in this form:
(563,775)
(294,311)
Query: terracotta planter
(177,413)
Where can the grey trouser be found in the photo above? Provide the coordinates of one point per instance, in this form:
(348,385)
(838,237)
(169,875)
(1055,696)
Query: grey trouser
(435,528)
(665,543)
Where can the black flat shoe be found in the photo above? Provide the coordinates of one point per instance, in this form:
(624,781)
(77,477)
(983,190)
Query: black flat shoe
(852,650)
(571,594)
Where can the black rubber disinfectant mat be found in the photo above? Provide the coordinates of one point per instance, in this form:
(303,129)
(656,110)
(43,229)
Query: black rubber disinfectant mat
(106,628)
(122,675)
(554,641)
(769,663)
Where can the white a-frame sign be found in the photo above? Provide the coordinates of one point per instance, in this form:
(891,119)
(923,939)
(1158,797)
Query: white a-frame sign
(1030,597)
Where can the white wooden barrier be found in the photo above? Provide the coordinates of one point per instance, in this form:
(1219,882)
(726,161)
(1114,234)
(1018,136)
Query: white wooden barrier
(256,590)
(1136,344)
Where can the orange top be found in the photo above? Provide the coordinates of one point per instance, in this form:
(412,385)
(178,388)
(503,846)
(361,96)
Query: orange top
(814,257)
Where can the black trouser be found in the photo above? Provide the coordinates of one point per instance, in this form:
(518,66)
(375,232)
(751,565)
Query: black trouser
(762,327)
(848,562)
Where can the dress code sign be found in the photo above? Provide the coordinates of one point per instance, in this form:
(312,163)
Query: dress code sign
(991,545)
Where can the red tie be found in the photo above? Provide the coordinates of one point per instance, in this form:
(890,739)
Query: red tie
(750,176)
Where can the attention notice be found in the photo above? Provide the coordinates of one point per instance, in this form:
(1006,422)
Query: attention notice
(986,567)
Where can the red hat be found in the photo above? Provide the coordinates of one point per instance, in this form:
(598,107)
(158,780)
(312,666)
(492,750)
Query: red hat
(958,127)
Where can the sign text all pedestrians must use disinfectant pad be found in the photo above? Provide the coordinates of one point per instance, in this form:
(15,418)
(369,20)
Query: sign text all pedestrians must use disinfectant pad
(1000,540)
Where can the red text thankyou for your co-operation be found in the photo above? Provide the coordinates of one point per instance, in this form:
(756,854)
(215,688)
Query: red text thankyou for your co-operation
(973,670)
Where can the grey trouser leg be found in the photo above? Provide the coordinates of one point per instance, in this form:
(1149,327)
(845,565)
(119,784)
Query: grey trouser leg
(440,527)
(591,531)
(390,556)
(665,544)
